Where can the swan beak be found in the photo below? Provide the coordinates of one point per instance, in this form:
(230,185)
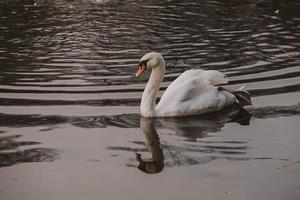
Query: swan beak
(141,70)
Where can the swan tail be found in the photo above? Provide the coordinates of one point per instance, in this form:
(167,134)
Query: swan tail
(243,97)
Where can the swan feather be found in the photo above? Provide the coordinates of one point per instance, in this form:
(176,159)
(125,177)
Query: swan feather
(194,92)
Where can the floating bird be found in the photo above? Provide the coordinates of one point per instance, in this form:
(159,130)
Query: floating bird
(194,92)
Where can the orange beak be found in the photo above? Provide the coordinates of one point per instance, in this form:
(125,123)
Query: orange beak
(141,70)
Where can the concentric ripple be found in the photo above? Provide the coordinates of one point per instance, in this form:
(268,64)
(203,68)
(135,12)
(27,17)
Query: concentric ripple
(73,62)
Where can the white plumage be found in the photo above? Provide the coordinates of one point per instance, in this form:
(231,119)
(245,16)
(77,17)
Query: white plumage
(193,92)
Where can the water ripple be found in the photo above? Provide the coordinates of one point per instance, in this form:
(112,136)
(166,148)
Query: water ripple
(74,61)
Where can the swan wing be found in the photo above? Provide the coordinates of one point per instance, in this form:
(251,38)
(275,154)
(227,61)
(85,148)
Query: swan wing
(194,92)
(192,83)
(211,77)
(184,86)
(187,75)
(214,77)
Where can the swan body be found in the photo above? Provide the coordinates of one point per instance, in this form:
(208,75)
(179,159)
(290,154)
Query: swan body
(193,92)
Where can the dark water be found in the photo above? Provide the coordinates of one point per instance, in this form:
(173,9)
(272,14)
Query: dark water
(69,104)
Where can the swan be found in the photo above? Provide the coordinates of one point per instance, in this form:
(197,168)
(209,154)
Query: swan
(194,92)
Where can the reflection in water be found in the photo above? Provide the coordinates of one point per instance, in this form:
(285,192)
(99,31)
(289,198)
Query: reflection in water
(29,155)
(191,127)
(64,57)
(10,154)
(153,146)
(132,120)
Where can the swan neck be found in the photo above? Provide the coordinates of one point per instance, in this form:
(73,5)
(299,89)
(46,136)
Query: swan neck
(151,90)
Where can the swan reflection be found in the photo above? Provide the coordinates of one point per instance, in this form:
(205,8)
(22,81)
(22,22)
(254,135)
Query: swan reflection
(156,165)
(190,128)
(194,127)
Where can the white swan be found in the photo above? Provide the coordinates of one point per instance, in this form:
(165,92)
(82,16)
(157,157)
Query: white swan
(193,92)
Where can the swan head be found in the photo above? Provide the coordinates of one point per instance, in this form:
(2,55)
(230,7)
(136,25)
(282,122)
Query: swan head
(149,61)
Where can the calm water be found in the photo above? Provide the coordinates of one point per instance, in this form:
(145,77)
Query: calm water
(69,104)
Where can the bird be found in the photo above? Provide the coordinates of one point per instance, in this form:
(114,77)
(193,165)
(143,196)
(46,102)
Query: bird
(194,92)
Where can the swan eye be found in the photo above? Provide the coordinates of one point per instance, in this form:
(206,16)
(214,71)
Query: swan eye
(144,62)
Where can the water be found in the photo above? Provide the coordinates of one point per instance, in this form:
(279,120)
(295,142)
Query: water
(69,104)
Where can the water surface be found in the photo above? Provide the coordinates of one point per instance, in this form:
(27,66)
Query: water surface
(69,102)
